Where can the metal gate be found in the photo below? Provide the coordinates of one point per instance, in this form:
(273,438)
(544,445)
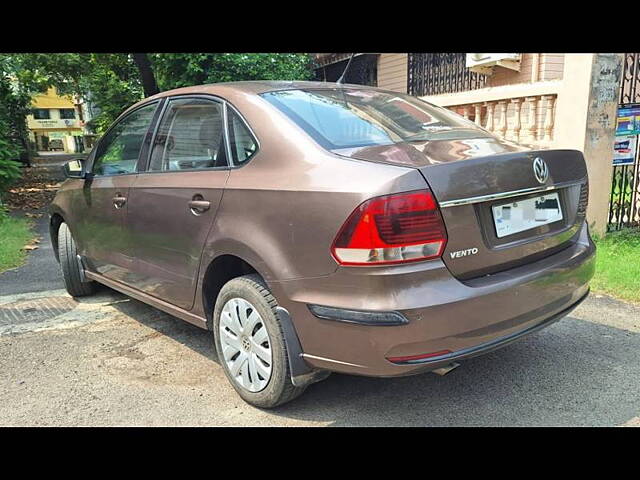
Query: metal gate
(624,202)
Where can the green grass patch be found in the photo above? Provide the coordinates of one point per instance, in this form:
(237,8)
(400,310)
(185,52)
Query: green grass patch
(618,265)
(15,233)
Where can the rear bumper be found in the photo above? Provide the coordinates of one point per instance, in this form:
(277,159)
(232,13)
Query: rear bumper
(465,318)
(432,363)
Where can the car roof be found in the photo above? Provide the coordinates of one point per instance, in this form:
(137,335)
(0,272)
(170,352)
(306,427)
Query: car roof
(257,87)
(253,87)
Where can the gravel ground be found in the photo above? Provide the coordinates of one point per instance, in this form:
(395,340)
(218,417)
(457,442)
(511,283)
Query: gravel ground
(110,360)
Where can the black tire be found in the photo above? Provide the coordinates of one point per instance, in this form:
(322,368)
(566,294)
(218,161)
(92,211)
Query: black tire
(69,264)
(279,389)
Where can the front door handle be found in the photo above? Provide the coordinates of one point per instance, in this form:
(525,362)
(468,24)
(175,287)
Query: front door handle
(119,201)
(199,206)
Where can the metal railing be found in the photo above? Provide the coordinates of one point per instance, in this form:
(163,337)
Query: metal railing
(624,202)
(436,73)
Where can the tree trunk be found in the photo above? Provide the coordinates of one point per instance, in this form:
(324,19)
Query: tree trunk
(146,74)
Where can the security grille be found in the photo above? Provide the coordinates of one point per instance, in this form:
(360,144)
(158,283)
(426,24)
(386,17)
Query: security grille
(436,73)
(624,202)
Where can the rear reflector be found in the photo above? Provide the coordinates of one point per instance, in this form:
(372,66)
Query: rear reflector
(392,229)
(417,357)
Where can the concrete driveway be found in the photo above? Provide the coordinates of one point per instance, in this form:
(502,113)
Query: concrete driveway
(110,360)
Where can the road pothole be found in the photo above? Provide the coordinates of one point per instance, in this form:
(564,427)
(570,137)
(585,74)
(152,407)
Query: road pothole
(36,310)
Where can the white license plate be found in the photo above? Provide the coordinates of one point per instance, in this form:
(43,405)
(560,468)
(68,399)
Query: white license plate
(521,215)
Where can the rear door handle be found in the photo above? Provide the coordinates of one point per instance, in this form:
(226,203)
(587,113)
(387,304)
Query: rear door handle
(119,201)
(199,206)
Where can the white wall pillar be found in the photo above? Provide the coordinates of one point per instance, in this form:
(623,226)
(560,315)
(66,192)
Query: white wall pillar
(585,120)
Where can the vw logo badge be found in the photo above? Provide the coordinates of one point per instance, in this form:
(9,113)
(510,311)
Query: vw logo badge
(540,170)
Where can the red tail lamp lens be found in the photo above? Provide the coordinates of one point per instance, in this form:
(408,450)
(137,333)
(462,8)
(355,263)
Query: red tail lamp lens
(392,229)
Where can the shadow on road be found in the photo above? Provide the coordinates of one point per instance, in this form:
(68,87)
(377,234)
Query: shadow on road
(573,373)
(197,339)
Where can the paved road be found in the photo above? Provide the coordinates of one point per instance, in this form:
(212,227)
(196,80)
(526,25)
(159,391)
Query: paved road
(109,360)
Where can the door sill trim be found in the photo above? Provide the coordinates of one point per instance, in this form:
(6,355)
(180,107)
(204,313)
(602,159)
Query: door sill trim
(149,300)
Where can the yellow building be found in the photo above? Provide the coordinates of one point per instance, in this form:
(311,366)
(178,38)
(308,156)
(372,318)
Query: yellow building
(56,124)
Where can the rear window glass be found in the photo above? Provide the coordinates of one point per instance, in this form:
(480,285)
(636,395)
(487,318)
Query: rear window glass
(347,118)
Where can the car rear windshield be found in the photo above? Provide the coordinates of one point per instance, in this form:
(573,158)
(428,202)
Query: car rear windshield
(348,118)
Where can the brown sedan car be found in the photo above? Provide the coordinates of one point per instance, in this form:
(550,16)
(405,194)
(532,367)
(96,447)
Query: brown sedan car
(317,227)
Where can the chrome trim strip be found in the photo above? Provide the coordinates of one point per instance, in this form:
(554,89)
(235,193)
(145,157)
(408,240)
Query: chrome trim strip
(498,196)
(329,360)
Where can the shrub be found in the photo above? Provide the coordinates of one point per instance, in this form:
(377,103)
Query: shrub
(9,168)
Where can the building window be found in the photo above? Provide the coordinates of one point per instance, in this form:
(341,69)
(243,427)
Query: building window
(67,113)
(363,70)
(41,114)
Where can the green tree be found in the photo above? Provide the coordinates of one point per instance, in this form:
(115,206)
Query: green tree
(112,86)
(109,81)
(14,106)
(112,82)
(175,70)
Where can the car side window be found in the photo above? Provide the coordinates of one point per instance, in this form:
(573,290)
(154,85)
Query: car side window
(190,136)
(243,144)
(119,150)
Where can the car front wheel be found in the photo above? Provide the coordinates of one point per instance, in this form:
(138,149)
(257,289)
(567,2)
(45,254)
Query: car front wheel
(71,270)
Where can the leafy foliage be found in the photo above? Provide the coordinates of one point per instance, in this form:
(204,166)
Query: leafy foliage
(175,70)
(112,86)
(9,168)
(111,82)
(14,104)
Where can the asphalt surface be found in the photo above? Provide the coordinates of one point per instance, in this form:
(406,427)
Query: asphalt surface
(111,360)
(115,361)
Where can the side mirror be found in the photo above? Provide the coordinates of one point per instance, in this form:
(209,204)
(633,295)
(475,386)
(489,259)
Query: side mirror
(74,169)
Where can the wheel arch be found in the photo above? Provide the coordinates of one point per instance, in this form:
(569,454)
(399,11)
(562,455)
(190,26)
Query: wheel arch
(219,271)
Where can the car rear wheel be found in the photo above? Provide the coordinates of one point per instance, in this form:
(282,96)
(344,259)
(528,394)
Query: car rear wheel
(250,343)
(71,270)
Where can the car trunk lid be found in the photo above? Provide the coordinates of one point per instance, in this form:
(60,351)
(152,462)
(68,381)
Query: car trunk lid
(469,177)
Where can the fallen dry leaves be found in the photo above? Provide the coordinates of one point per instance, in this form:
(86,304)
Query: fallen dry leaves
(34,191)
(33,244)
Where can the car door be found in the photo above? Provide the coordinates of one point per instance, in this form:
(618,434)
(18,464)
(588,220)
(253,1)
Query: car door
(104,199)
(173,203)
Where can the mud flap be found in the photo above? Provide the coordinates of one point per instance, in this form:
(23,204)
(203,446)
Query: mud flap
(301,373)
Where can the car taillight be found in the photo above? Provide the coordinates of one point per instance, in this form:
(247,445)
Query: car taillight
(398,228)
